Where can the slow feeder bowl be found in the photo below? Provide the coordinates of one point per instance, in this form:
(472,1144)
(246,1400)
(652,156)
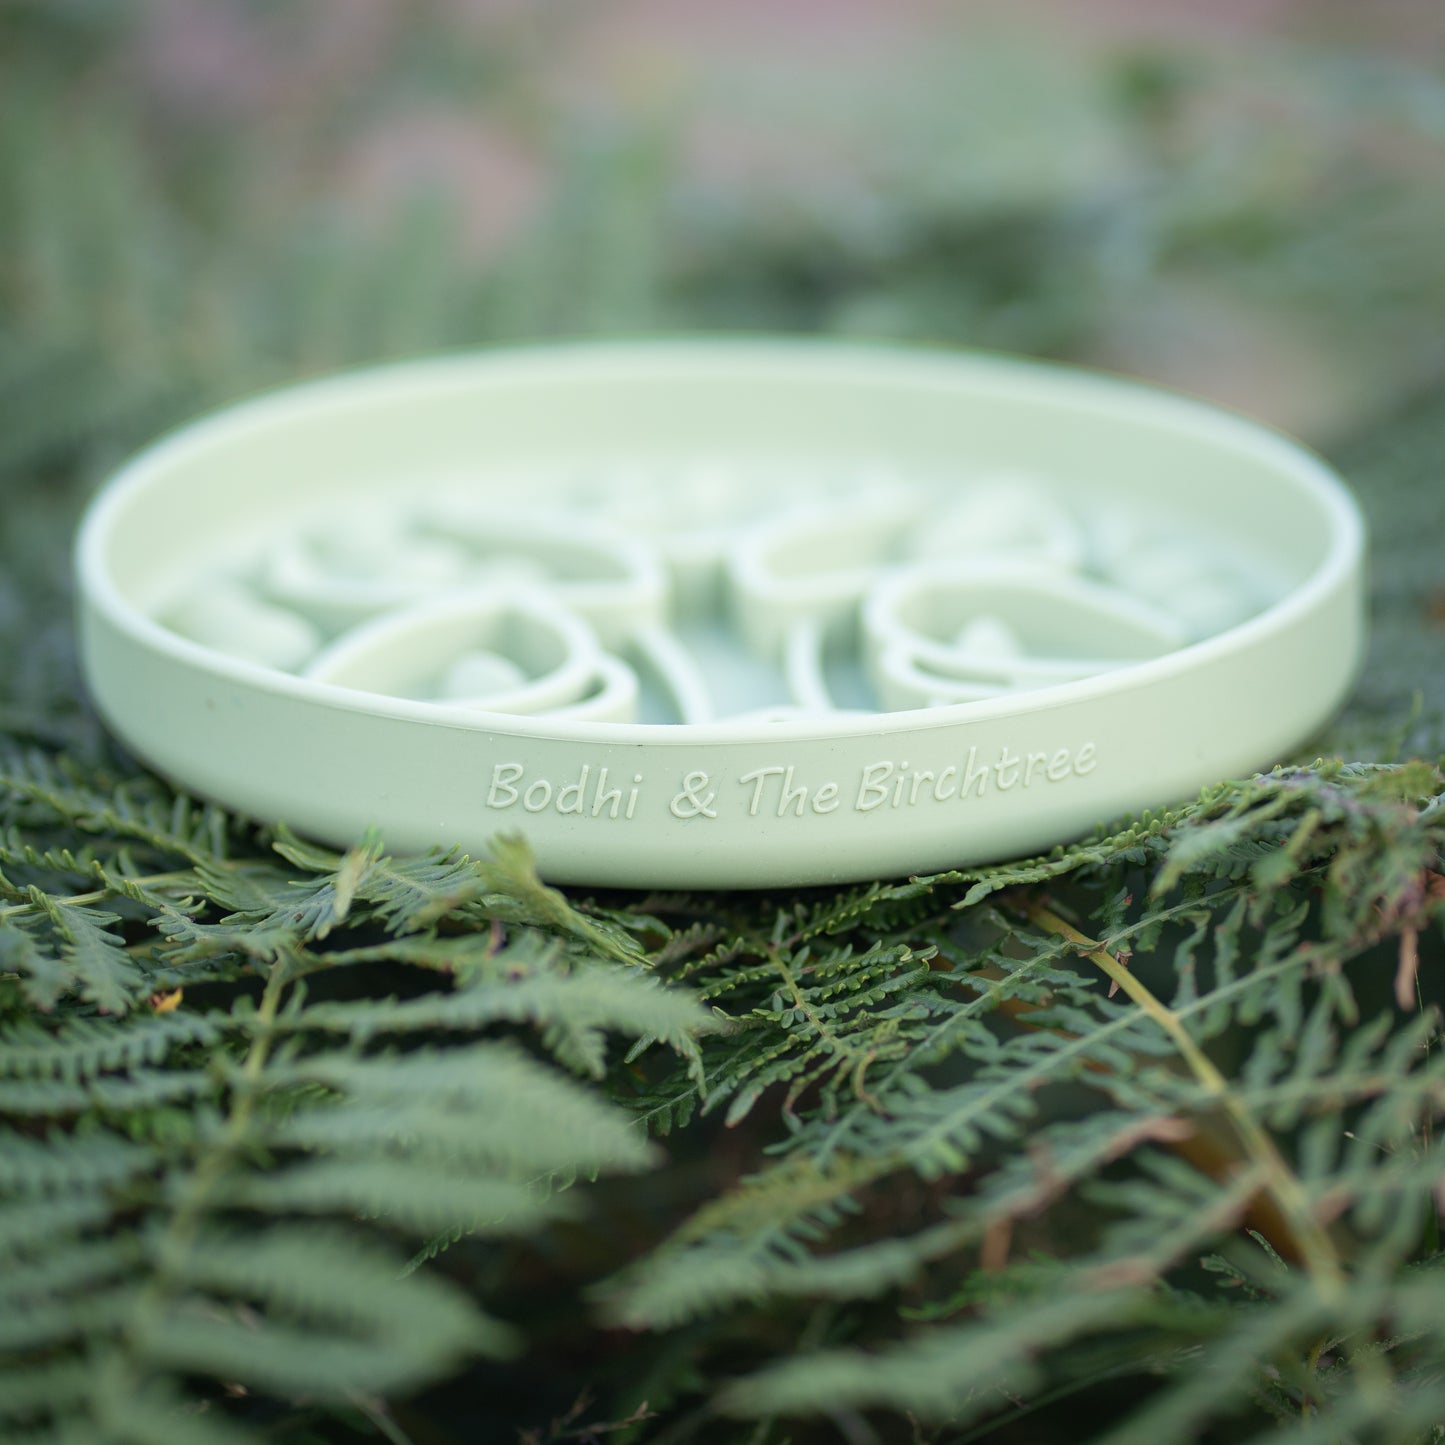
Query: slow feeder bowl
(718,614)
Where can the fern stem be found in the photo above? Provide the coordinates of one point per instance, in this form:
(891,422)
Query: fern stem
(860,1058)
(180,1233)
(99,895)
(213,1166)
(1314,1243)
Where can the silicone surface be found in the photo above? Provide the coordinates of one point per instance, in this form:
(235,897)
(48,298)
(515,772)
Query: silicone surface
(718,613)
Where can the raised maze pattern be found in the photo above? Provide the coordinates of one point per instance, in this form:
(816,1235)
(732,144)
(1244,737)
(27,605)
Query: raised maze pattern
(636,593)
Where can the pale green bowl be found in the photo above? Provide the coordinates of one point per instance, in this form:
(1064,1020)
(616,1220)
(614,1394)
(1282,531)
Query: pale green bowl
(663,466)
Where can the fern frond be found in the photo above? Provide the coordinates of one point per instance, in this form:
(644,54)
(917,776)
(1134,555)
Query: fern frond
(338,1318)
(96,964)
(956,1374)
(135,1093)
(519,895)
(576,1007)
(34,1392)
(83,1267)
(68,1162)
(84,1048)
(405,1188)
(405,895)
(43,975)
(486,1103)
(175,1227)
(47,790)
(27,1224)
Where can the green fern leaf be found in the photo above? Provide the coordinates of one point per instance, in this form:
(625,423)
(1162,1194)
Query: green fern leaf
(409,1191)
(485,1102)
(44,976)
(68,1162)
(83,1048)
(98,967)
(337,1316)
(951,1373)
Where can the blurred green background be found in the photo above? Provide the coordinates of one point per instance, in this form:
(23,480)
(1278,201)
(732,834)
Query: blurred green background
(1244,200)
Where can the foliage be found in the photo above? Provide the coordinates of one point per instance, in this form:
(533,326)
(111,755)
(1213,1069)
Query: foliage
(1136,1141)
(213,1156)
(1023,1115)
